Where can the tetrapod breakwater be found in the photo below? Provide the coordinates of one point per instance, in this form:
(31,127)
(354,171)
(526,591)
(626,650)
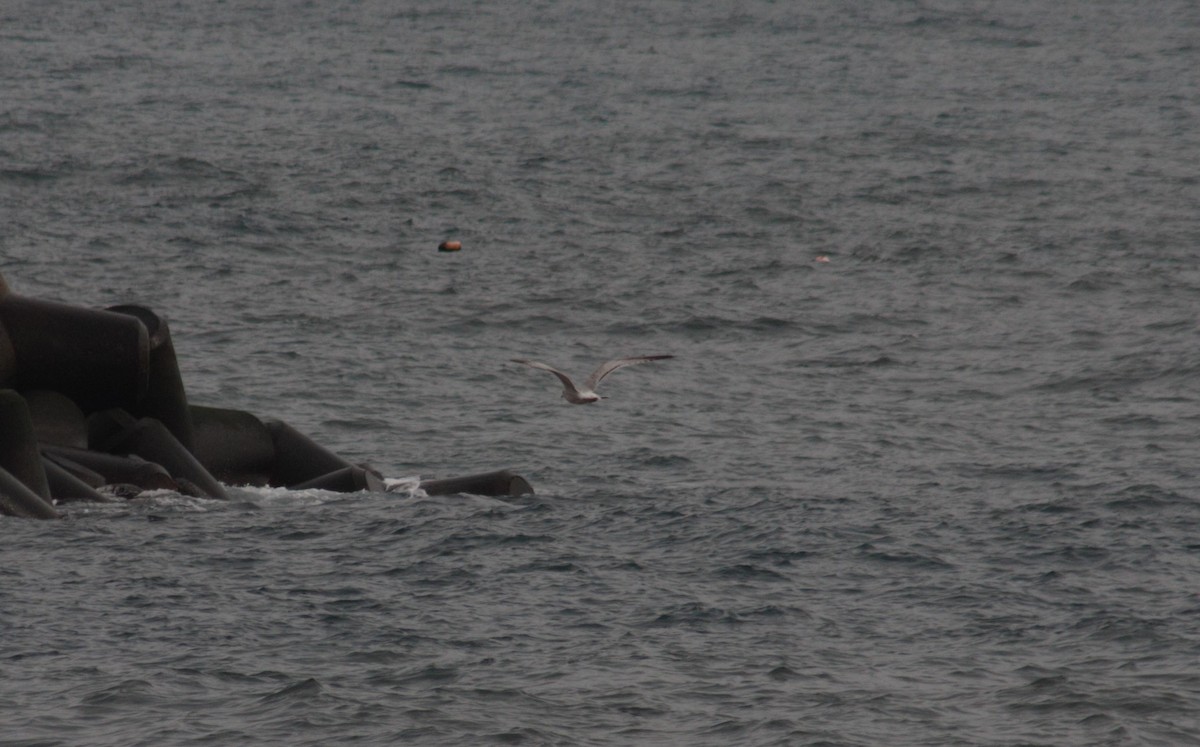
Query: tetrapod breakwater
(93,408)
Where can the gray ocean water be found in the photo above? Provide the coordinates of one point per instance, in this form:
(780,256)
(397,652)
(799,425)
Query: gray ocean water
(941,489)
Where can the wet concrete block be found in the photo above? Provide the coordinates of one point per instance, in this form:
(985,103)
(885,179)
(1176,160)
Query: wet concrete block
(494,484)
(235,446)
(56,418)
(100,359)
(165,399)
(298,458)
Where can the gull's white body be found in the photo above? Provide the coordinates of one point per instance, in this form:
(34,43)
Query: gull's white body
(586,394)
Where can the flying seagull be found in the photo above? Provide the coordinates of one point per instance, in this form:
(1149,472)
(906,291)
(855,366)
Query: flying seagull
(586,394)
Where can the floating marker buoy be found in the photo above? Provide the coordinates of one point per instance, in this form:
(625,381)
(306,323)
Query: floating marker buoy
(449,246)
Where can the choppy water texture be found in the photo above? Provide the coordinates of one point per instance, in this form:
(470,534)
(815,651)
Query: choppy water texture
(939,490)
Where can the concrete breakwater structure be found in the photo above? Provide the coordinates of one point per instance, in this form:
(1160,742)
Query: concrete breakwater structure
(93,408)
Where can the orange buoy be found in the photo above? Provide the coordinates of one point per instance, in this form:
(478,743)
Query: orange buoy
(449,246)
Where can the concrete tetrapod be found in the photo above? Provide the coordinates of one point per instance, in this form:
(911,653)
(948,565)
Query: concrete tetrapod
(93,399)
(24,490)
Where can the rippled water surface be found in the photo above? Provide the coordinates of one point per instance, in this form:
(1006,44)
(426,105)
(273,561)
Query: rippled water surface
(923,469)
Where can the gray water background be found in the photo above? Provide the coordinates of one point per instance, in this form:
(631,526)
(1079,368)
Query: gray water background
(939,490)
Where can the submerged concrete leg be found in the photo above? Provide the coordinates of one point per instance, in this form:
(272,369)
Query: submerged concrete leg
(88,477)
(494,484)
(345,480)
(151,440)
(23,488)
(18,500)
(115,470)
(18,446)
(65,486)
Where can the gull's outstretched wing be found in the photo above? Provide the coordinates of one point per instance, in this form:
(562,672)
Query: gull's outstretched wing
(605,369)
(566,380)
